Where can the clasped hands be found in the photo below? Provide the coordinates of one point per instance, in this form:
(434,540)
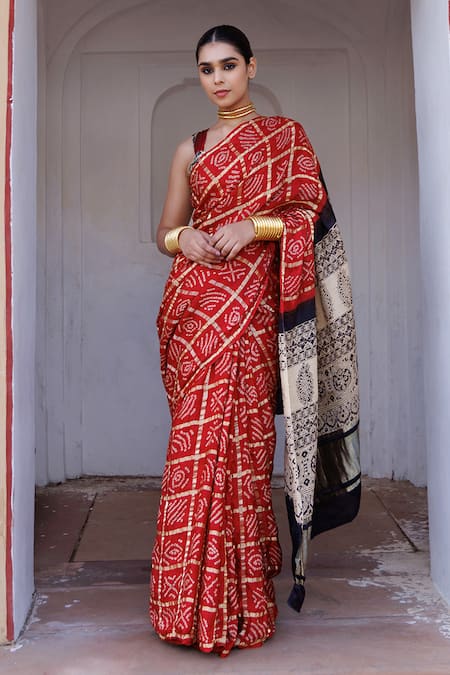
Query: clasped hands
(223,245)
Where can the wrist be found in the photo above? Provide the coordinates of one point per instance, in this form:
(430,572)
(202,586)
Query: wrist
(171,239)
(267,228)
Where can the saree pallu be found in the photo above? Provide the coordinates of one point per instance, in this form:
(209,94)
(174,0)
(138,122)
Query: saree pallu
(220,330)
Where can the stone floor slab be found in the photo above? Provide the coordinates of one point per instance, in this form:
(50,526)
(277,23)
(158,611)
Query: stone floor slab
(92,573)
(60,516)
(407,504)
(120,527)
(96,608)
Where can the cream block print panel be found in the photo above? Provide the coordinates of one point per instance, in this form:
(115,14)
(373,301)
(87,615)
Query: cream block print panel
(134,110)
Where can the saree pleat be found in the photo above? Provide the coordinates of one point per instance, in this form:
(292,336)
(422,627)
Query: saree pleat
(217,546)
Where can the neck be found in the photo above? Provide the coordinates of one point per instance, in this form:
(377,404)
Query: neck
(242,111)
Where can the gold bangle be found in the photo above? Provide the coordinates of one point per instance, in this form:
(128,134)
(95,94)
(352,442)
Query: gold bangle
(267,228)
(171,239)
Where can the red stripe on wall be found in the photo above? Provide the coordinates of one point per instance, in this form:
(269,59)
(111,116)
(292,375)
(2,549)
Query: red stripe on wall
(9,337)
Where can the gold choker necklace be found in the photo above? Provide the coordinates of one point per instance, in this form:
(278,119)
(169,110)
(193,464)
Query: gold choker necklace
(238,112)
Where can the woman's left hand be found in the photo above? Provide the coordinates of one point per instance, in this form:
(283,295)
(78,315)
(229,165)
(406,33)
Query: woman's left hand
(231,238)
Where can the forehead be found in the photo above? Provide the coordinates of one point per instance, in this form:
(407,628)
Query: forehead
(215,51)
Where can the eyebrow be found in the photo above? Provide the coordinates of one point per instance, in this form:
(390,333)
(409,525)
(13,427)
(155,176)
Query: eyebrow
(228,58)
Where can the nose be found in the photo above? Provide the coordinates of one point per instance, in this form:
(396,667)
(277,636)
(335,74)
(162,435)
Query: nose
(218,76)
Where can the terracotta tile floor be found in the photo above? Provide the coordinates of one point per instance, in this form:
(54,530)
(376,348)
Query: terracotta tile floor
(370,605)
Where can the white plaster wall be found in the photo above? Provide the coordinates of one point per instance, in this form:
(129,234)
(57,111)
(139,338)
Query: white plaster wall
(371,168)
(432,82)
(42,473)
(23,175)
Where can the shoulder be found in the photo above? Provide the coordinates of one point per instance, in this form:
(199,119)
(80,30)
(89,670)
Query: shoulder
(183,154)
(280,122)
(185,149)
(285,129)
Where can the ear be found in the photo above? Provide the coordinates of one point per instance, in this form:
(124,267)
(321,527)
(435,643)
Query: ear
(251,68)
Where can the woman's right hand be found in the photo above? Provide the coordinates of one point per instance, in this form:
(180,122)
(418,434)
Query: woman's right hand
(195,245)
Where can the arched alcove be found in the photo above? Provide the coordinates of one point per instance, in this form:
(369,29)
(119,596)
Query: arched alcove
(333,70)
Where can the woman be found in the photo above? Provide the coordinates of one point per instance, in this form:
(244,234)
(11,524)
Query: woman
(238,318)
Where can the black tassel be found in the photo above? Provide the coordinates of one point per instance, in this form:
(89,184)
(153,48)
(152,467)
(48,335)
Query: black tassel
(296,597)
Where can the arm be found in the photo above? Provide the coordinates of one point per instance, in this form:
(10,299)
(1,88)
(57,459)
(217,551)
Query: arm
(177,211)
(177,206)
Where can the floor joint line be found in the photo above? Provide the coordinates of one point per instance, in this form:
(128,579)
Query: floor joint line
(83,527)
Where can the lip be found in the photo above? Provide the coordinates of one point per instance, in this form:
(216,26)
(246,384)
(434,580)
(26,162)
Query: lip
(221,92)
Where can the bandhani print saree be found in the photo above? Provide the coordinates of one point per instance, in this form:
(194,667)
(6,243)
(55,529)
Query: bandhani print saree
(278,317)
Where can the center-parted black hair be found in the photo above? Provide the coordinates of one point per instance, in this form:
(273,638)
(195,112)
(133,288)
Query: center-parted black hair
(229,34)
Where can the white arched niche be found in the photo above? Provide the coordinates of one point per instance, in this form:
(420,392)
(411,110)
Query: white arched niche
(331,66)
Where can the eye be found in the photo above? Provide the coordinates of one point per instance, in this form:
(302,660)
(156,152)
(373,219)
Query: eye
(205,70)
(229,66)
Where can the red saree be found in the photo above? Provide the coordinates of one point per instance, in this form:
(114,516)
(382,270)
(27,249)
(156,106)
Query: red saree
(216,548)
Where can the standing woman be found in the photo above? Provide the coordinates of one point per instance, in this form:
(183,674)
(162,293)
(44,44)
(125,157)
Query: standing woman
(258,298)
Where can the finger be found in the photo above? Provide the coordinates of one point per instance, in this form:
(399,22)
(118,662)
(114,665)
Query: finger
(211,254)
(202,249)
(234,252)
(212,251)
(228,247)
(211,257)
(217,237)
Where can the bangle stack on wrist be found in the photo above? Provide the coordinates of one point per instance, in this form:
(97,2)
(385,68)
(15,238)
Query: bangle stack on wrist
(267,228)
(171,239)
